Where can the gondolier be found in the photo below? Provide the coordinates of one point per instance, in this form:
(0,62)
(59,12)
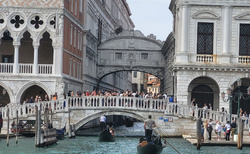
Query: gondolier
(103,122)
(148,126)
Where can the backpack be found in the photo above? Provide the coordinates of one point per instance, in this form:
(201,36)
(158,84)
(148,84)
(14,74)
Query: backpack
(209,128)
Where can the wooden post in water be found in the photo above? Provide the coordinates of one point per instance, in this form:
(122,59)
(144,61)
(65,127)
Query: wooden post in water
(51,122)
(198,133)
(39,127)
(240,133)
(36,140)
(8,126)
(69,125)
(17,127)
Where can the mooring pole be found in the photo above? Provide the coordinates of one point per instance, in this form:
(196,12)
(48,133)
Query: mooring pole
(17,126)
(8,126)
(198,133)
(240,133)
(36,127)
(69,124)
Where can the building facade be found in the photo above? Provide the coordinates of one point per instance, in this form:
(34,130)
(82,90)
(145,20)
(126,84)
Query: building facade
(50,47)
(104,18)
(207,51)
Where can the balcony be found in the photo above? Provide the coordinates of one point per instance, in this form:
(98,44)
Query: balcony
(206,58)
(26,68)
(244,59)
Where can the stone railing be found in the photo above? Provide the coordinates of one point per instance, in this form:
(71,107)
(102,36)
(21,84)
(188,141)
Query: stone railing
(206,58)
(244,59)
(121,103)
(6,67)
(45,68)
(25,68)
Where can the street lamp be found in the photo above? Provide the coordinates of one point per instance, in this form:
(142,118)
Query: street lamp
(236,96)
(229,98)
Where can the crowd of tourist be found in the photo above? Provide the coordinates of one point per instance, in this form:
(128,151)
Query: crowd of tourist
(126,93)
(222,131)
(106,93)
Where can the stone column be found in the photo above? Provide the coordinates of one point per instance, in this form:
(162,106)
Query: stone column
(226,30)
(225,55)
(35,62)
(57,59)
(16,57)
(184,28)
(182,54)
(58,47)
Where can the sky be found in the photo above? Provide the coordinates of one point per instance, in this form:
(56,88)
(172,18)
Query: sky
(152,17)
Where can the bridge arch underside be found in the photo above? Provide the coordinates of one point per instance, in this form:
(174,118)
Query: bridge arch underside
(96,115)
(104,71)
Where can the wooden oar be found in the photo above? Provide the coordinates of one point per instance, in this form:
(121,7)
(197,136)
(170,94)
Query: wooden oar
(160,129)
(120,133)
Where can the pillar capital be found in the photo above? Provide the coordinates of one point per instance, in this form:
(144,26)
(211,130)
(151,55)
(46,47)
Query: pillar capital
(16,44)
(36,44)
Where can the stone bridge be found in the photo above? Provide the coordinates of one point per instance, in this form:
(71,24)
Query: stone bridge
(173,118)
(131,51)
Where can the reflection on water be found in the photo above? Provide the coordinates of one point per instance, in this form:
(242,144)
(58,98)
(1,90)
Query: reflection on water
(122,145)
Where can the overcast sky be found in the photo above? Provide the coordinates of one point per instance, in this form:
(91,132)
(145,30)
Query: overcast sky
(152,17)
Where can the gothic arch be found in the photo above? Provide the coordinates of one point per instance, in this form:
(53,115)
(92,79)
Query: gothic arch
(29,84)
(9,91)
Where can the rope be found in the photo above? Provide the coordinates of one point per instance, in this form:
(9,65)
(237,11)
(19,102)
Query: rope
(160,129)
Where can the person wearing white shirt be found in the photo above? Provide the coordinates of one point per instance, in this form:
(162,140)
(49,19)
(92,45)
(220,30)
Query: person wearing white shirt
(219,127)
(228,128)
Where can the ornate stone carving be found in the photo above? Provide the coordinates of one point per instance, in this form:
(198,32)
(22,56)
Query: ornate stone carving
(32,3)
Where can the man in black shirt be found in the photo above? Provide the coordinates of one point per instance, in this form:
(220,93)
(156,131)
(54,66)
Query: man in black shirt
(233,129)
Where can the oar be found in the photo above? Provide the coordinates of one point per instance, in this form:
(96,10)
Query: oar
(160,129)
(120,133)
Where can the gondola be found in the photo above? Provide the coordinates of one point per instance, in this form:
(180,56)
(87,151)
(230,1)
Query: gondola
(61,133)
(153,147)
(106,136)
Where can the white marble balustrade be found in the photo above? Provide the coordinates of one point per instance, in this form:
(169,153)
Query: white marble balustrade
(119,103)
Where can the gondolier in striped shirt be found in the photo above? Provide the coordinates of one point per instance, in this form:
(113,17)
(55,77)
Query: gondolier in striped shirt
(148,126)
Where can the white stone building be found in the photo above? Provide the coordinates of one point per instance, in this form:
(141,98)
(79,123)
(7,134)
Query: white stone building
(104,18)
(50,46)
(208,50)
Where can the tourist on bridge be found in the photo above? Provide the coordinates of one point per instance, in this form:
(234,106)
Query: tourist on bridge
(171,100)
(233,128)
(210,129)
(148,126)
(103,122)
(228,128)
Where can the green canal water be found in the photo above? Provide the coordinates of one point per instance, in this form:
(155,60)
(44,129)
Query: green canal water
(122,145)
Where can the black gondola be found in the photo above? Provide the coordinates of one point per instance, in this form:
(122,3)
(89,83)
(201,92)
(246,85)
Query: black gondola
(61,133)
(154,147)
(106,136)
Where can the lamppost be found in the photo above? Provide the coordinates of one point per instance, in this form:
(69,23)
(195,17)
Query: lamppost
(236,96)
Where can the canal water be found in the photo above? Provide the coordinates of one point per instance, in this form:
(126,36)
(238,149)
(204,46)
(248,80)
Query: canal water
(122,145)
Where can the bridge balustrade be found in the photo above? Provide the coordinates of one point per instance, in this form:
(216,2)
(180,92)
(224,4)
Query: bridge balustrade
(118,103)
